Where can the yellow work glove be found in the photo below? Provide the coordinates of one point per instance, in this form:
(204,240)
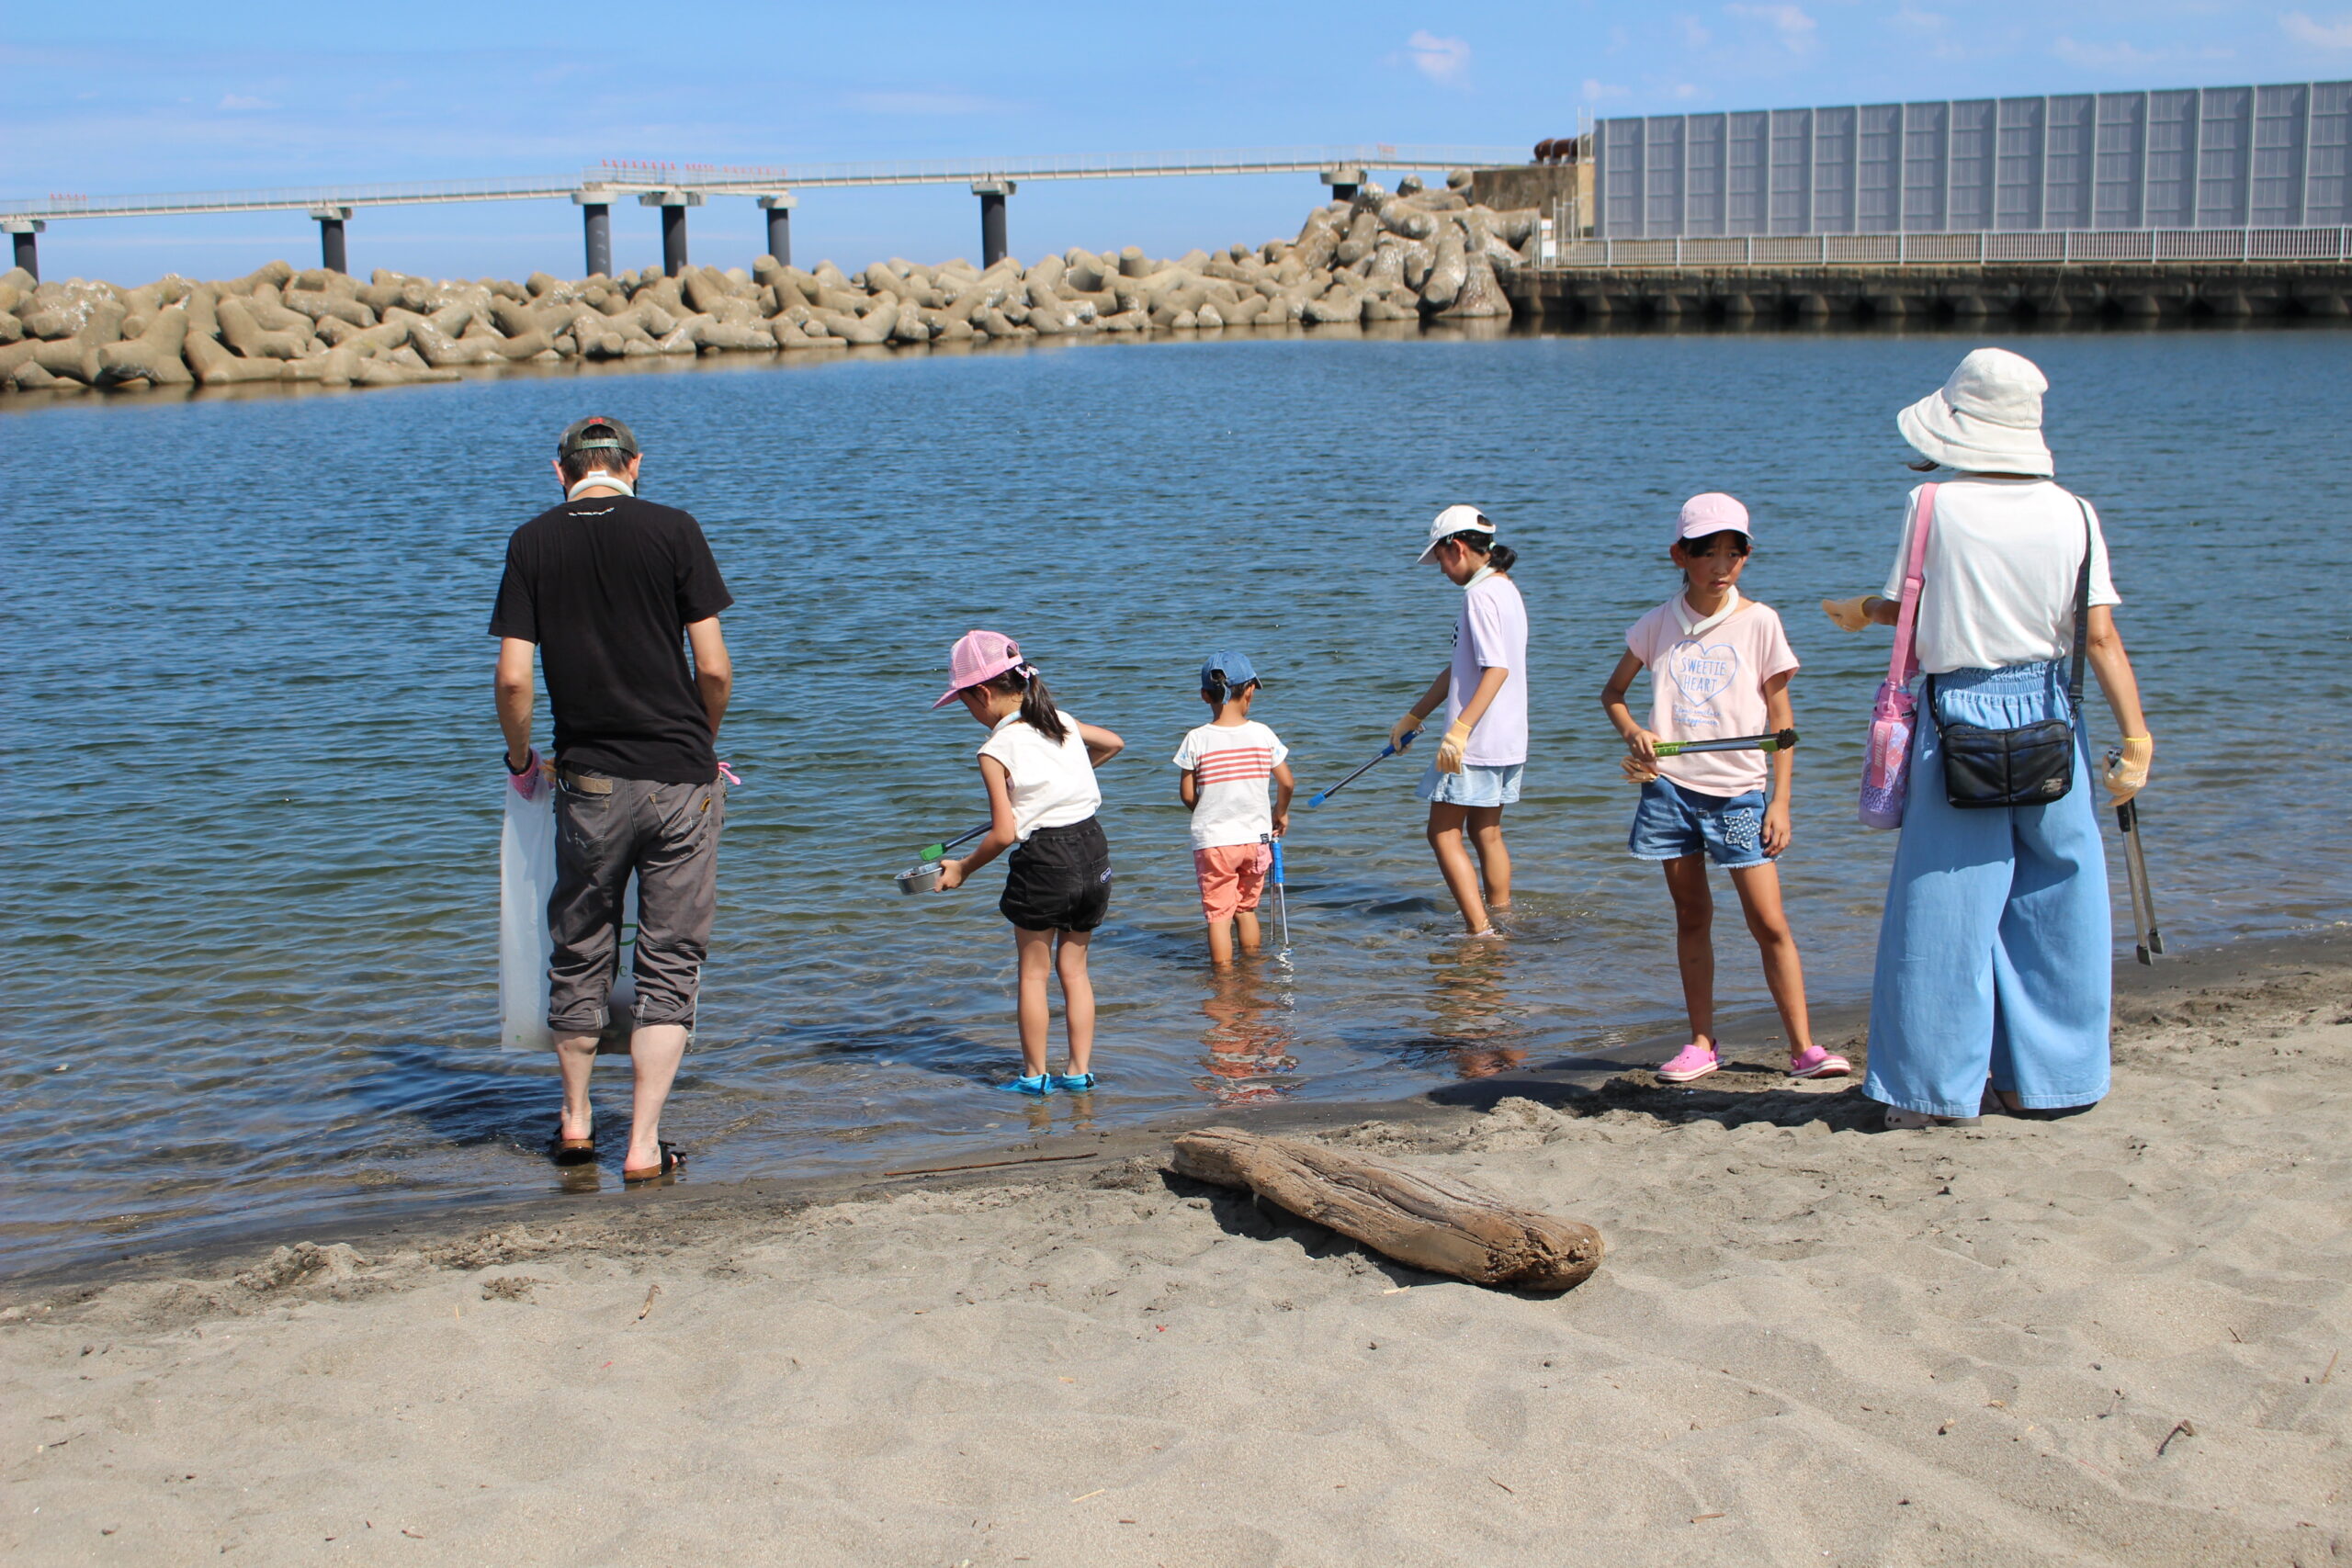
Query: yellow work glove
(1848,613)
(1403,729)
(1450,750)
(2128,774)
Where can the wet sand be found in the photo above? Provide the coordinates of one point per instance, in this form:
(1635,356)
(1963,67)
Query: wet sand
(2112,1339)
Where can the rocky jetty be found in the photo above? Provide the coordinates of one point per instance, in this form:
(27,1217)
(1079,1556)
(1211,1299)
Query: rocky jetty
(1412,254)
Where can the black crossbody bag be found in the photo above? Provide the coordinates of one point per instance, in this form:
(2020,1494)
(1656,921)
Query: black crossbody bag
(2032,764)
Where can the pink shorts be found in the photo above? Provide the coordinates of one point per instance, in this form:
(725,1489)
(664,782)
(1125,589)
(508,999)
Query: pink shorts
(1232,876)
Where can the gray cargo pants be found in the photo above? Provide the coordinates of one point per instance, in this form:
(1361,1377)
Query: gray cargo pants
(606,830)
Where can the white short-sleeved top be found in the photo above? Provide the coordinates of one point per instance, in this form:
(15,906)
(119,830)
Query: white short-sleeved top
(1052,785)
(1492,631)
(1233,763)
(1999,582)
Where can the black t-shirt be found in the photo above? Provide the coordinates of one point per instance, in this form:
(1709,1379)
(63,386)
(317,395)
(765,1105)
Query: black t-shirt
(607,586)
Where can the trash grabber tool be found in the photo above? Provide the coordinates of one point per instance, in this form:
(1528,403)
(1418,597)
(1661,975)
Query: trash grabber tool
(1386,752)
(1274,880)
(939,852)
(1779,741)
(2151,940)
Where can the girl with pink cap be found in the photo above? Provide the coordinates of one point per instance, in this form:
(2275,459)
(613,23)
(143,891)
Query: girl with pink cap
(1719,667)
(1038,766)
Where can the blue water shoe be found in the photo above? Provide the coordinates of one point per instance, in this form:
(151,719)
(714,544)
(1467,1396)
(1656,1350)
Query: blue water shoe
(1040,1086)
(1074,1083)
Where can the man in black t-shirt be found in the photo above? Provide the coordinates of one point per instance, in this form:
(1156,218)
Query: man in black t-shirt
(610,592)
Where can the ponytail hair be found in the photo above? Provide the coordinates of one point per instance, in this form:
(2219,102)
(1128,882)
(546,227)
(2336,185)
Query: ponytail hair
(1481,542)
(1038,710)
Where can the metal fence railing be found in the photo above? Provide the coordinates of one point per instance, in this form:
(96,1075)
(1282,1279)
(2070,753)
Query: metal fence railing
(1964,250)
(627,177)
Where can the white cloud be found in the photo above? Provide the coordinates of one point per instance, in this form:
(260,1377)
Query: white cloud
(1912,16)
(1795,28)
(1686,91)
(2304,29)
(240,101)
(1444,61)
(1595,90)
(1694,32)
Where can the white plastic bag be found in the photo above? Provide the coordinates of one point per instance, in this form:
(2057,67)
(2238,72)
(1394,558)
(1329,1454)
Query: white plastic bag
(525,883)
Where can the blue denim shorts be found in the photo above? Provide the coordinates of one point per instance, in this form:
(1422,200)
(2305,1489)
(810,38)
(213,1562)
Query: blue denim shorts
(1475,784)
(1672,822)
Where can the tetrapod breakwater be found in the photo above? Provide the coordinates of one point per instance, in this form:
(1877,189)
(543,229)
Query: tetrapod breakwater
(1417,253)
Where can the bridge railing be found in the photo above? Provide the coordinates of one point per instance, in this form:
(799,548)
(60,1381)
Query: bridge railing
(624,178)
(1963,250)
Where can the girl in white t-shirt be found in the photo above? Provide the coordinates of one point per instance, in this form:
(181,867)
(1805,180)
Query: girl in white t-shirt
(1038,767)
(1719,667)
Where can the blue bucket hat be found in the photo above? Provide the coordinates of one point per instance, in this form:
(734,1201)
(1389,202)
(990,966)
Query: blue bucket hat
(1226,671)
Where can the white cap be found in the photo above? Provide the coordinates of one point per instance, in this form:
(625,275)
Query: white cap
(1452,521)
(1986,419)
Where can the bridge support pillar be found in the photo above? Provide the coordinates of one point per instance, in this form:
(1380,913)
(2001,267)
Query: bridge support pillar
(597,219)
(1344,183)
(778,206)
(992,194)
(22,231)
(673,205)
(331,249)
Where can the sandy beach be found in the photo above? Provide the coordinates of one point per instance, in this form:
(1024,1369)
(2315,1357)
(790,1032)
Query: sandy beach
(2113,1338)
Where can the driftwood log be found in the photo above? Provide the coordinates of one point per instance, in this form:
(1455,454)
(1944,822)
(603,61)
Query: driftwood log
(1413,1216)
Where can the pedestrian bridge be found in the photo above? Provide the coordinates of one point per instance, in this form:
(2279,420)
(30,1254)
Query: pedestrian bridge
(674,187)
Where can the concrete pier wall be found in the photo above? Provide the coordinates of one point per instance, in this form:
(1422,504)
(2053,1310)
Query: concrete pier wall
(2158,292)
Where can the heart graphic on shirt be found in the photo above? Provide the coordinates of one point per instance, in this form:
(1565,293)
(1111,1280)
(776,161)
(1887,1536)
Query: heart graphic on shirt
(1698,673)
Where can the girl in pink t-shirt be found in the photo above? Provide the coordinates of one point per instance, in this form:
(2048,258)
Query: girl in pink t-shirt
(1719,667)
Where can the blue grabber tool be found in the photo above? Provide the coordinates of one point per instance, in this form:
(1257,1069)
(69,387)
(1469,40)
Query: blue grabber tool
(2148,939)
(1274,881)
(1386,752)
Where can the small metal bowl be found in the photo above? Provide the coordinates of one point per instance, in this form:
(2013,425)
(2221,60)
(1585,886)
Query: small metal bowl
(919,878)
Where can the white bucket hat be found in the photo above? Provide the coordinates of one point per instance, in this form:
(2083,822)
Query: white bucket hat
(1988,418)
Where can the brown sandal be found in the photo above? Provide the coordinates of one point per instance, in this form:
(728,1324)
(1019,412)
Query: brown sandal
(672,1160)
(573,1151)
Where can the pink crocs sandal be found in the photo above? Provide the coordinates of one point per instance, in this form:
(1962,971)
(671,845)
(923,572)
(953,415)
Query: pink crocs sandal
(1693,1061)
(1817,1062)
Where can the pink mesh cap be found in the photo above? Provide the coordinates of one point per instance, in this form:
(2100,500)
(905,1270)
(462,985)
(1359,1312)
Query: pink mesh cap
(1712,513)
(978,656)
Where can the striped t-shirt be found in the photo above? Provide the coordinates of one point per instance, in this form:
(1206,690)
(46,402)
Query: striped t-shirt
(1233,763)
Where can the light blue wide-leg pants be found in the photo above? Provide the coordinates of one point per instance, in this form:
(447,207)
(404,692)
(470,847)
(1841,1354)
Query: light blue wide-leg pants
(1995,953)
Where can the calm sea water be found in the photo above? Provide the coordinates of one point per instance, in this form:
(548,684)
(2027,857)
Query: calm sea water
(253,791)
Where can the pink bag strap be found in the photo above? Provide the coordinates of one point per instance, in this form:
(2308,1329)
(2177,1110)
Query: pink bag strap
(1905,661)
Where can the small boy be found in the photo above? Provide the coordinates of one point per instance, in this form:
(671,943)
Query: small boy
(1226,762)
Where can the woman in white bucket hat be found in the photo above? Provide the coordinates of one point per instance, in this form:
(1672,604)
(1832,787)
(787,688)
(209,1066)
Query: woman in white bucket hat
(1996,951)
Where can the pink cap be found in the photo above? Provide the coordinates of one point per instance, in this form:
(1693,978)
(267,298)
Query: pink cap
(1712,513)
(979,656)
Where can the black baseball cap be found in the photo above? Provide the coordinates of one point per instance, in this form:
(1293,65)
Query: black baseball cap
(598,433)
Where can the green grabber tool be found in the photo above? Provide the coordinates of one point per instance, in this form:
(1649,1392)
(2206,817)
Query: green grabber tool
(1779,741)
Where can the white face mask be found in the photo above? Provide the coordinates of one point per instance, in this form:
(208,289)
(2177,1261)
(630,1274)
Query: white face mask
(600,479)
(1480,575)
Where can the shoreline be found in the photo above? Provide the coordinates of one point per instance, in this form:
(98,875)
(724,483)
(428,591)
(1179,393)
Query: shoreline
(1839,1024)
(139,395)
(2107,1339)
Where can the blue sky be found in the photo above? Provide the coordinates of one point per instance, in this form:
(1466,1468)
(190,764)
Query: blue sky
(142,97)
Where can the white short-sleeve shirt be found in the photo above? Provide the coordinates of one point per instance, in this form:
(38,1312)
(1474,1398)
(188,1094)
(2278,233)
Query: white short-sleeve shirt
(1052,785)
(1998,587)
(1233,763)
(1491,632)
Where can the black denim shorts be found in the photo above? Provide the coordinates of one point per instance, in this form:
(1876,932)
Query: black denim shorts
(1060,880)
